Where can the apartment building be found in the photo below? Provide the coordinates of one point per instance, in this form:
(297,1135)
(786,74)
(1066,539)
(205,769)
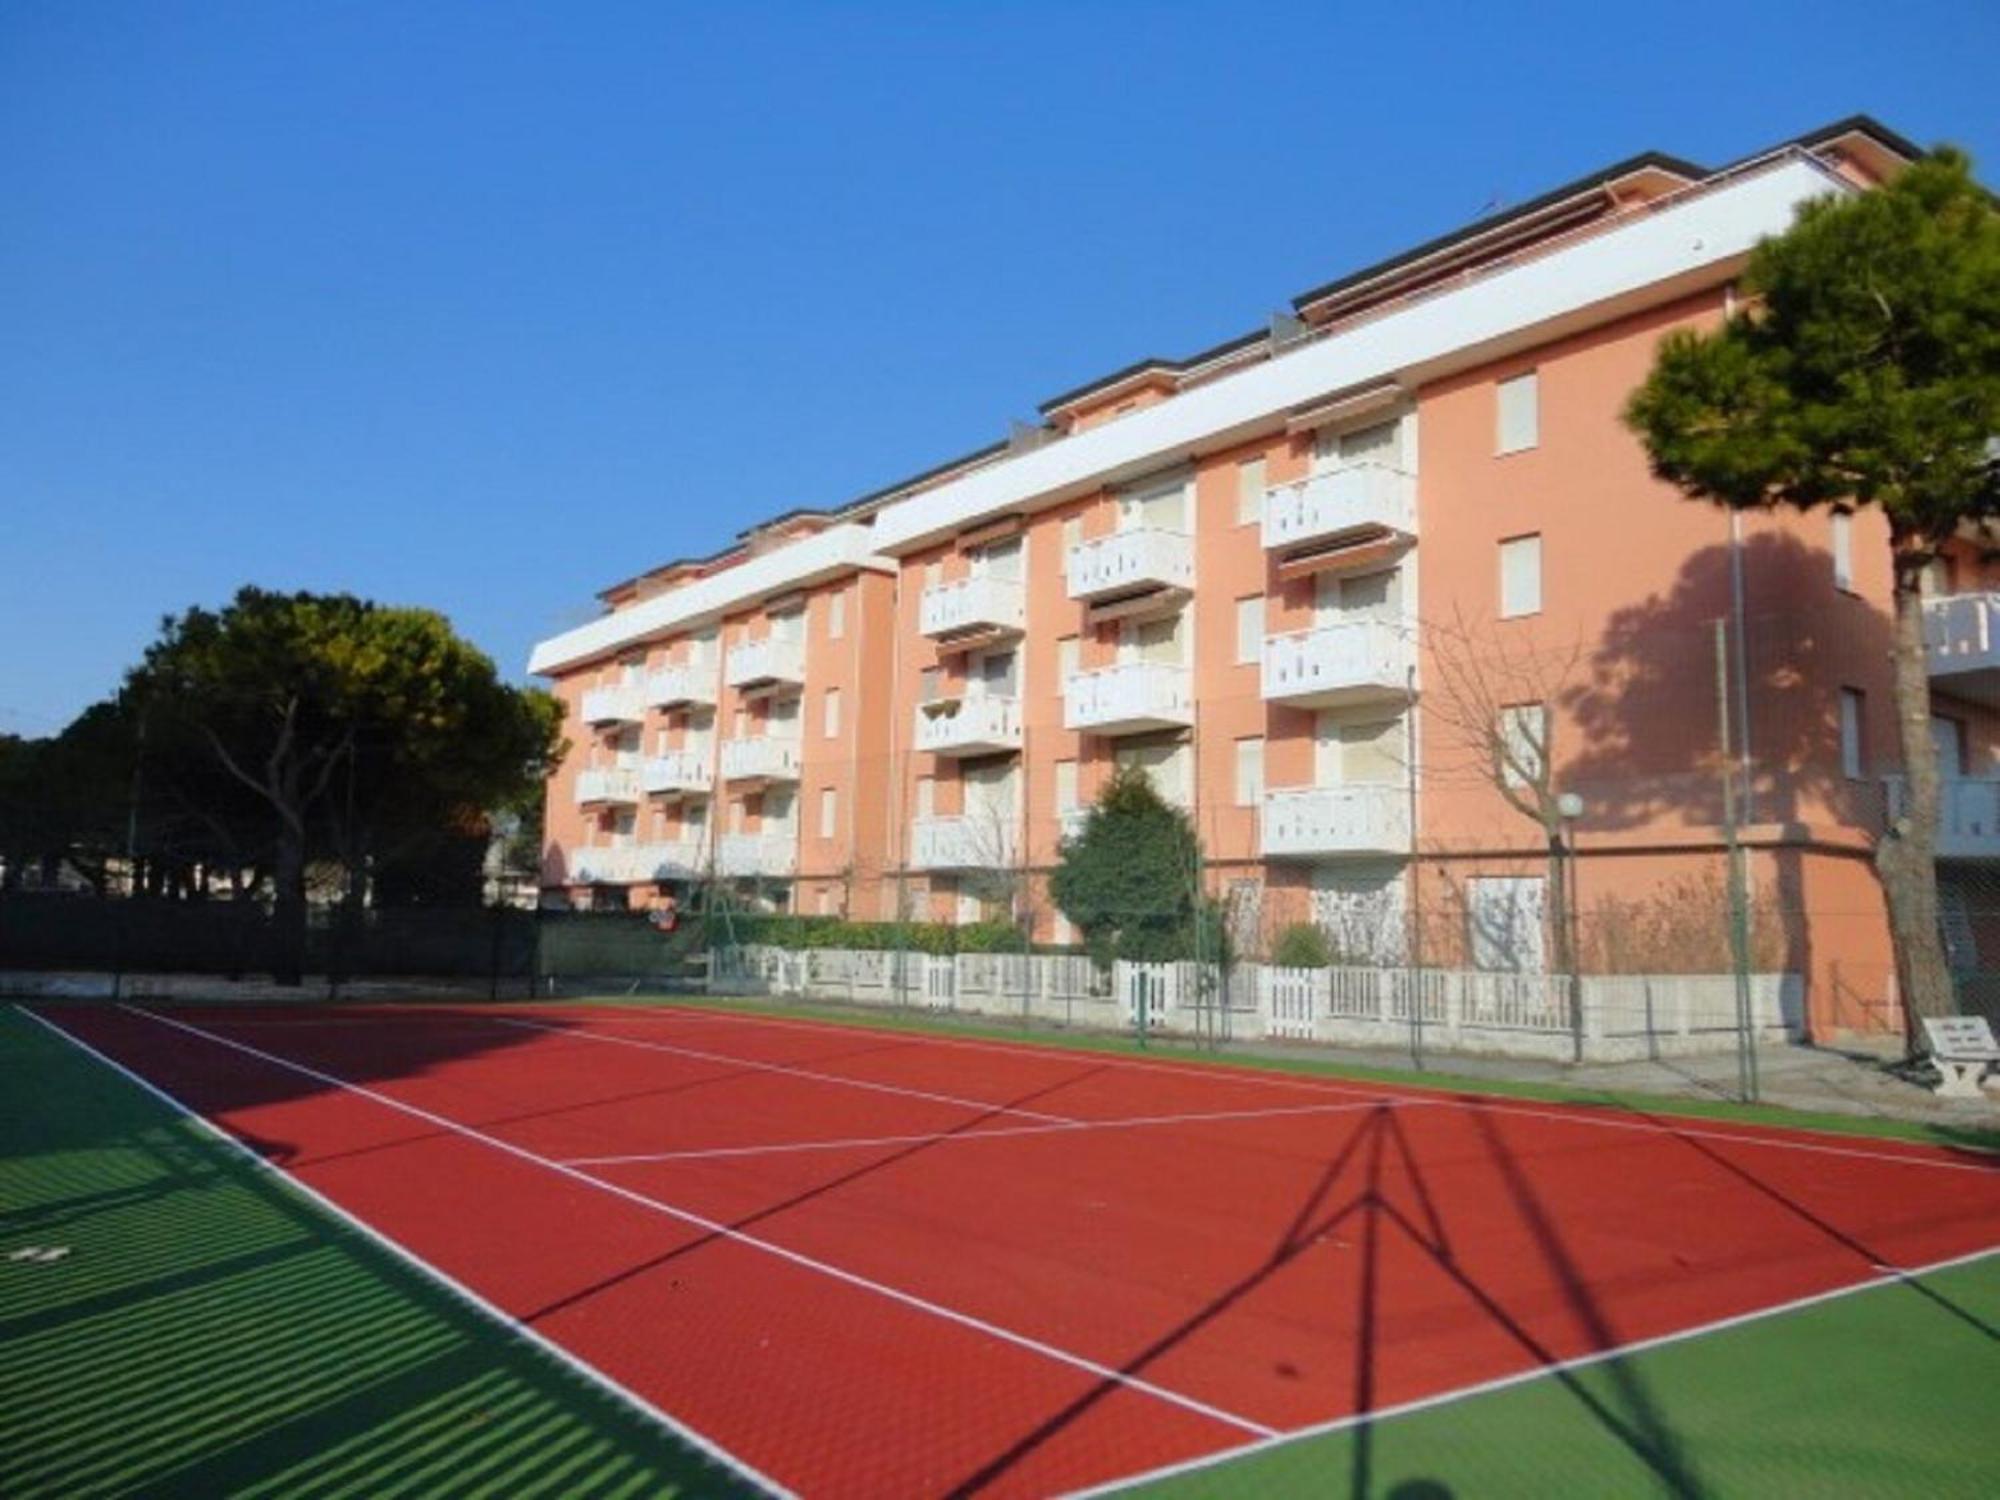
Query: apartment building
(1258,572)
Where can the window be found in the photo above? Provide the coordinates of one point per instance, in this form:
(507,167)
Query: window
(829,811)
(1842,536)
(933,573)
(1250,629)
(1250,487)
(1065,785)
(1524,729)
(1000,559)
(1362,912)
(1072,538)
(1249,772)
(1520,417)
(1853,714)
(836,615)
(1504,922)
(926,796)
(996,674)
(1520,577)
(1160,502)
(1069,655)
(928,686)
(831,713)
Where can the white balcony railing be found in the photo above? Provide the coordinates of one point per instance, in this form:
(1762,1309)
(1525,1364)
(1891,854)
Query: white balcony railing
(1351,662)
(607,784)
(628,864)
(973,606)
(1129,699)
(677,773)
(1360,499)
(961,843)
(769,660)
(984,725)
(1128,561)
(740,855)
(623,704)
(688,683)
(1305,822)
(1963,633)
(1968,815)
(768,757)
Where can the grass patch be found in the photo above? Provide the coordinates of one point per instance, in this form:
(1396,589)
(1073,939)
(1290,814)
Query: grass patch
(212,1332)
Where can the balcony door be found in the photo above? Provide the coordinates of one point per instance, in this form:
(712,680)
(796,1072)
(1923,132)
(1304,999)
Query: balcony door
(1368,752)
(998,560)
(992,790)
(780,814)
(1163,640)
(783,720)
(789,626)
(995,674)
(1948,744)
(1341,598)
(698,739)
(1166,765)
(1377,444)
(1158,504)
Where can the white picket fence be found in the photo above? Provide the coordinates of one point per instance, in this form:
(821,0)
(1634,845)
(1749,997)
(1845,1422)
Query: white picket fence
(1456,1010)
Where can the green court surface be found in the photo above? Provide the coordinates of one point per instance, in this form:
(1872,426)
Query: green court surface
(213,1333)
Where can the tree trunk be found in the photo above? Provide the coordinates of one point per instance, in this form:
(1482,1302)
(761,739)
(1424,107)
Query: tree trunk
(288,907)
(1906,857)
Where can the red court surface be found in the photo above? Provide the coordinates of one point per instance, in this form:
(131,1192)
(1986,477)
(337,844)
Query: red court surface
(870,1263)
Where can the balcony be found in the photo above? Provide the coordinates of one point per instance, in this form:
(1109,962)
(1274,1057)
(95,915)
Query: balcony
(973,609)
(962,843)
(1968,815)
(766,663)
(1343,505)
(1131,562)
(770,855)
(691,684)
(607,784)
(1357,661)
(1134,698)
(614,705)
(636,864)
(679,773)
(1963,634)
(1316,822)
(969,726)
(768,757)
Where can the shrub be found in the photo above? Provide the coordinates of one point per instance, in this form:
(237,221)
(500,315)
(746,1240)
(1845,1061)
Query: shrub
(1302,946)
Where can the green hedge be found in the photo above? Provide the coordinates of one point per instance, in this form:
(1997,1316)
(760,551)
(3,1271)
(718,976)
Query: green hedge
(833,932)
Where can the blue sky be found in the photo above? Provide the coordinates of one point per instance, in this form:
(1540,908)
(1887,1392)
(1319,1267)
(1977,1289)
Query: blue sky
(483,306)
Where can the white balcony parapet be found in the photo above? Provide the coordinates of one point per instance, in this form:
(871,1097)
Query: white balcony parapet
(687,683)
(769,757)
(978,725)
(961,843)
(677,773)
(1361,498)
(1132,698)
(629,864)
(1351,662)
(1963,633)
(770,660)
(739,855)
(973,606)
(1314,821)
(622,704)
(607,784)
(1128,561)
(1968,815)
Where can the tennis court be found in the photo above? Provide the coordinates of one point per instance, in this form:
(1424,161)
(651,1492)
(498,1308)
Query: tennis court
(851,1262)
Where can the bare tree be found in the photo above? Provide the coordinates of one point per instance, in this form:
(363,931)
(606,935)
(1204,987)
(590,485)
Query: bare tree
(1495,694)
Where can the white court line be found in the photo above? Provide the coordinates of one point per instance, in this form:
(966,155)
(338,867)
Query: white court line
(449,1283)
(1003,1132)
(724,1231)
(1889,1276)
(1498,1103)
(756,1065)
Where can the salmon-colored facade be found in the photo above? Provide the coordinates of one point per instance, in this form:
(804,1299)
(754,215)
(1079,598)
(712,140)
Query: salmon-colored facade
(1286,577)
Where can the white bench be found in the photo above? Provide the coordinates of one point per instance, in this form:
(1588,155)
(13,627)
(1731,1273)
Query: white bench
(1963,1049)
